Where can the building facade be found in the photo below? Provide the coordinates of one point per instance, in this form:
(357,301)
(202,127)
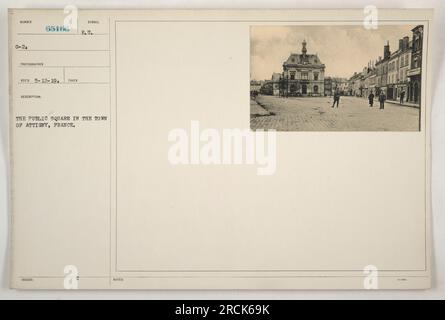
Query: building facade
(405,48)
(395,74)
(328,86)
(368,80)
(355,85)
(381,67)
(303,75)
(255,85)
(276,83)
(398,67)
(415,71)
(340,85)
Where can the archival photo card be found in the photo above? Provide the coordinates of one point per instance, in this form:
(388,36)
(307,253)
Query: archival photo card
(136,164)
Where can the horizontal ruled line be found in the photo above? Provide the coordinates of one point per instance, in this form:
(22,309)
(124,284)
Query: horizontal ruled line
(60,34)
(31,83)
(37,66)
(23,50)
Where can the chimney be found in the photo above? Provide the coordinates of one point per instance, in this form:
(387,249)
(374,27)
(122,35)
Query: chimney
(400,44)
(303,49)
(386,52)
(405,43)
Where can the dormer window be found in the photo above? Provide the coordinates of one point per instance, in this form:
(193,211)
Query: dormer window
(293,60)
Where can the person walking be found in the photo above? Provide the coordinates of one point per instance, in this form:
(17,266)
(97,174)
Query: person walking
(402,96)
(336,98)
(371,99)
(382,98)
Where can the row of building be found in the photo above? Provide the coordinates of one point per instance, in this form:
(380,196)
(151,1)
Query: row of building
(396,74)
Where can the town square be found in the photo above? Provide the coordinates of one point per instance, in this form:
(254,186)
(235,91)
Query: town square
(317,114)
(350,79)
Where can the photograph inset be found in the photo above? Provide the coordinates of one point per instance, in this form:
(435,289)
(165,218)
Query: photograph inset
(335,78)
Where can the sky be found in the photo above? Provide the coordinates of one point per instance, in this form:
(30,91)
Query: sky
(343,49)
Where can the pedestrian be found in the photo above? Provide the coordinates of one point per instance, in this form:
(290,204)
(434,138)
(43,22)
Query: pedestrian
(371,99)
(336,98)
(402,96)
(382,98)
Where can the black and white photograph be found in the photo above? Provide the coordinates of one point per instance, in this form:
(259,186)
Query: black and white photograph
(336,78)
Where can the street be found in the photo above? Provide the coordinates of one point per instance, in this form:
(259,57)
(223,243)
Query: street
(316,114)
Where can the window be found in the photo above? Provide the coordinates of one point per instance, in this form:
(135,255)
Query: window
(315,89)
(304,75)
(292,75)
(316,76)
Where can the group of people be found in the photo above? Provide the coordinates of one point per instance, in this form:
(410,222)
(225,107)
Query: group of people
(381,98)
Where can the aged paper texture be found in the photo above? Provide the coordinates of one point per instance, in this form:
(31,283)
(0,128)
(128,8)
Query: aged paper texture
(218,149)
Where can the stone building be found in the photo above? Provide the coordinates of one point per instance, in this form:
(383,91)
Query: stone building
(415,71)
(328,86)
(405,49)
(303,74)
(276,83)
(355,88)
(340,85)
(369,79)
(393,75)
(397,72)
(398,66)
(381,66)
(267,88)
(255,85)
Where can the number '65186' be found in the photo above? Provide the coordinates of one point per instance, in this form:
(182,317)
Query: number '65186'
(57,29)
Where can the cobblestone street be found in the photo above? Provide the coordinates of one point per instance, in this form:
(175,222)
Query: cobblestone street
(316,114)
